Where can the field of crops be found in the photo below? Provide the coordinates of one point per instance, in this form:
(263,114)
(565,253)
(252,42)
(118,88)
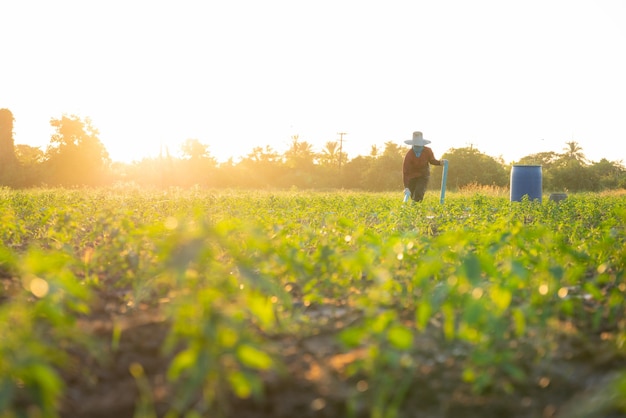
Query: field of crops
(195,303)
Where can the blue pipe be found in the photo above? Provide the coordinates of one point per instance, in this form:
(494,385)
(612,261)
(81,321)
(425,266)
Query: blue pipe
(444,179)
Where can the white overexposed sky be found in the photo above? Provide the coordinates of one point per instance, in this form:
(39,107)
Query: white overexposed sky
(509,77)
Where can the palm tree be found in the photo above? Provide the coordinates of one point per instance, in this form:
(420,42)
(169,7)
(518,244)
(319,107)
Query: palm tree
(261,155)
(573,152)
(300,154)
(330,154)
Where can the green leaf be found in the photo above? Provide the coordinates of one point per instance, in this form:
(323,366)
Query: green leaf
(469,375)
(516,373)
(253,357)
(449,319)
(471,266)
(261,306)
(240,384)
(400,337)
(519,320)
(501,298)
(183,361)
(473,312)
(423,314)
(353,337)
(47,380)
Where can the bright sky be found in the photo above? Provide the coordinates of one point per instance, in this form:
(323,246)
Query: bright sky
(510,77)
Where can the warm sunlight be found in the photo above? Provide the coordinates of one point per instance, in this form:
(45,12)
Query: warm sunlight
(507,79)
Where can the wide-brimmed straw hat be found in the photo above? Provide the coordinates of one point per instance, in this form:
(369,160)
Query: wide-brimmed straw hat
(417,140)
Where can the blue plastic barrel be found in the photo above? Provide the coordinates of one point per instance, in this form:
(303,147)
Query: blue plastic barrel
(526,181)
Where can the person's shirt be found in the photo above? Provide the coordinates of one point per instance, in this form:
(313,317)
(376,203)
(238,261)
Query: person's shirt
(415,166)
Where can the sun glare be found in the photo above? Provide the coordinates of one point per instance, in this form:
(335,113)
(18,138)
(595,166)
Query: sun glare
(237,80)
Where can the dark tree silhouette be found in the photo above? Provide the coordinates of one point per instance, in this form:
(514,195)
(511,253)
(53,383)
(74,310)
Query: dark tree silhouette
(300,160)
(29,156)
(470,166)
(10,172)
(7,149)
(193,149)
(198,165)
(385,171)
(75,155)
(545,159)
(262,168)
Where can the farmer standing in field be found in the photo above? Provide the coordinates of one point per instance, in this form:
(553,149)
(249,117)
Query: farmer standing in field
(416,167)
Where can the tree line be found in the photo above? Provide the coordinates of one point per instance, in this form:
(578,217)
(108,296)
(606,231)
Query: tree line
(75,156)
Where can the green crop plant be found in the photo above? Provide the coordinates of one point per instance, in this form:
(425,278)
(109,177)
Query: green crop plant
(485,292)
(221,307)
(37,325)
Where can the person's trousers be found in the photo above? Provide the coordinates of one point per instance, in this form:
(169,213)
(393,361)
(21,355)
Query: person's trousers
(417,186)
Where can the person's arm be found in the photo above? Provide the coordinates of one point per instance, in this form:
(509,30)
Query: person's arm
(431,158)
